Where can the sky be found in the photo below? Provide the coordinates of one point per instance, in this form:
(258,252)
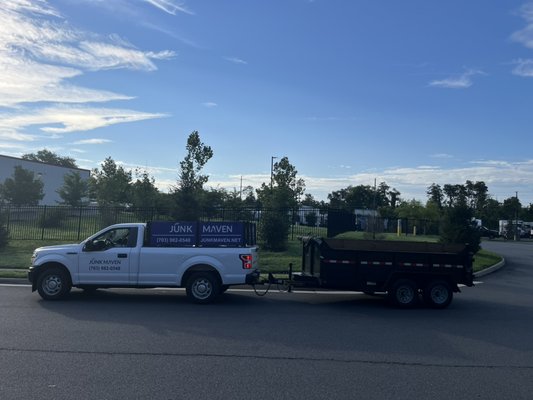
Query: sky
(408,92)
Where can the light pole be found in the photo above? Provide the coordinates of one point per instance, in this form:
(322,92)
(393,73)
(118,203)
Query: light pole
(516,233)
(272,171)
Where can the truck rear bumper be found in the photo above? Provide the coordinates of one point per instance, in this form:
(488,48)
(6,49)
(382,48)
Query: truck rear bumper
(253,277)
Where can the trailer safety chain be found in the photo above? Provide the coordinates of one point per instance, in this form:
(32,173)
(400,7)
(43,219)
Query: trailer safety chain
(282,288)
(264,293)
(282,285)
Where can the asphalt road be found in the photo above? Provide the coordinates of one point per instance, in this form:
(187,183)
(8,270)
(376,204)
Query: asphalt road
(153,344)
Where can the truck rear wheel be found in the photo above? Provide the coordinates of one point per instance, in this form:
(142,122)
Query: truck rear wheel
(53,284)
(202,287)
(438,294)
(403,293)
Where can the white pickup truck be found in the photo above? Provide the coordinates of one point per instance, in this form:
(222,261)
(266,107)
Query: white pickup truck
(131,256)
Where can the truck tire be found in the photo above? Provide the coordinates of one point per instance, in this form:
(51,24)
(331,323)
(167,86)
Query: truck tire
(438,294)
(202,287)
(53,284)
(403,293)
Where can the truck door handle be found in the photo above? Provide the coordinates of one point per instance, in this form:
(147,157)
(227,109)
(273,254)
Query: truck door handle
(122,255)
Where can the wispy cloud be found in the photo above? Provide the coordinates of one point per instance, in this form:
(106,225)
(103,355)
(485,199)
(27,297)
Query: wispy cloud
(92,141)
(170,6)
(441,155)
(25,81)
(41,53)
(63,119)
(525,35)
(461,81)
(236,60)
(209,104)
(523,68)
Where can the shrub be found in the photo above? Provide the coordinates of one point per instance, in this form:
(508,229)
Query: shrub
(456,228)
(4,232)
(311,219)
(274,230)
(52,217)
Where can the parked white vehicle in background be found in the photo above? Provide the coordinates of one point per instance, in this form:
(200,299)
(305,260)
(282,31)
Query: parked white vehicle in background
(203,257)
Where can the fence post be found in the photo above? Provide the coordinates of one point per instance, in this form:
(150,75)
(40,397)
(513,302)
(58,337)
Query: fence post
(79,223)
(44,223)
(8,216)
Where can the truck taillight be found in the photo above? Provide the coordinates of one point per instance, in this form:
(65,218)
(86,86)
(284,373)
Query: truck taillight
(247,260)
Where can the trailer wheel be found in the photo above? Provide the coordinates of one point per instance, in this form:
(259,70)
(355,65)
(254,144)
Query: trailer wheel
(438,294)
(403,293)
(53,284)
(202,287)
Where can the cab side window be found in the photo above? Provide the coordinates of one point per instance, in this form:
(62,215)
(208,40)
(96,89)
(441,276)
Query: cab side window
(118,237)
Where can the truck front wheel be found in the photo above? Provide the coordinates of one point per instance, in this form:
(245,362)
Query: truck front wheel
(202,287)
(438,294)
(403,293)
(53,284)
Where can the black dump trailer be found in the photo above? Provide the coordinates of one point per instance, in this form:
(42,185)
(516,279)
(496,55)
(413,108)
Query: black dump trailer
(401,269)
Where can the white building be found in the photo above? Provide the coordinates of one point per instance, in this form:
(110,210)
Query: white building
(51,175)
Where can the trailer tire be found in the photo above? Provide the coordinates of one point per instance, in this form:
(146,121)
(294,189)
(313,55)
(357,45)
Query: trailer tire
(53,284)
(202,287)
(438,294)
(403,293)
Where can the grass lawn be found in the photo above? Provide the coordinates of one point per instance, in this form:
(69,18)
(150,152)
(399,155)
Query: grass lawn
(18,253)
(484,259)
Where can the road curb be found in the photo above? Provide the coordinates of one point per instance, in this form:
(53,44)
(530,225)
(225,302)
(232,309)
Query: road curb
(14,281)
(491,269)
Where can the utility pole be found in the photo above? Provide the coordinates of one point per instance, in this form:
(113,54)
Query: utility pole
(516,234)
(375,211)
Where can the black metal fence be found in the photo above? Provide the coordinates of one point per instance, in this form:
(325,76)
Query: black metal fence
(77,223)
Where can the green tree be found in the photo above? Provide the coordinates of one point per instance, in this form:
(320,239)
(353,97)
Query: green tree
(74,189)
(454,195)
(110,186)
(189,192)
(365,197)
(457,227)
(353,197)
(144,193)
(413,210)
(145,196)
(277,200)
(49,157)
(435,195)
(477,193)
(23,189)
(310,201)
(511,208)
(527,213)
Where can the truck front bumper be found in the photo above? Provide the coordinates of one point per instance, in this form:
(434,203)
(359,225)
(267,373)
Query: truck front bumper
(32,277)
(253,277)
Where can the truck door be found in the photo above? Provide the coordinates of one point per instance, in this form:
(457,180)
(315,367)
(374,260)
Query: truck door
(106,258)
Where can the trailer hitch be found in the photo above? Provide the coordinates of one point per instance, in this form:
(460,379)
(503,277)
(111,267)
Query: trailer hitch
(283,285)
